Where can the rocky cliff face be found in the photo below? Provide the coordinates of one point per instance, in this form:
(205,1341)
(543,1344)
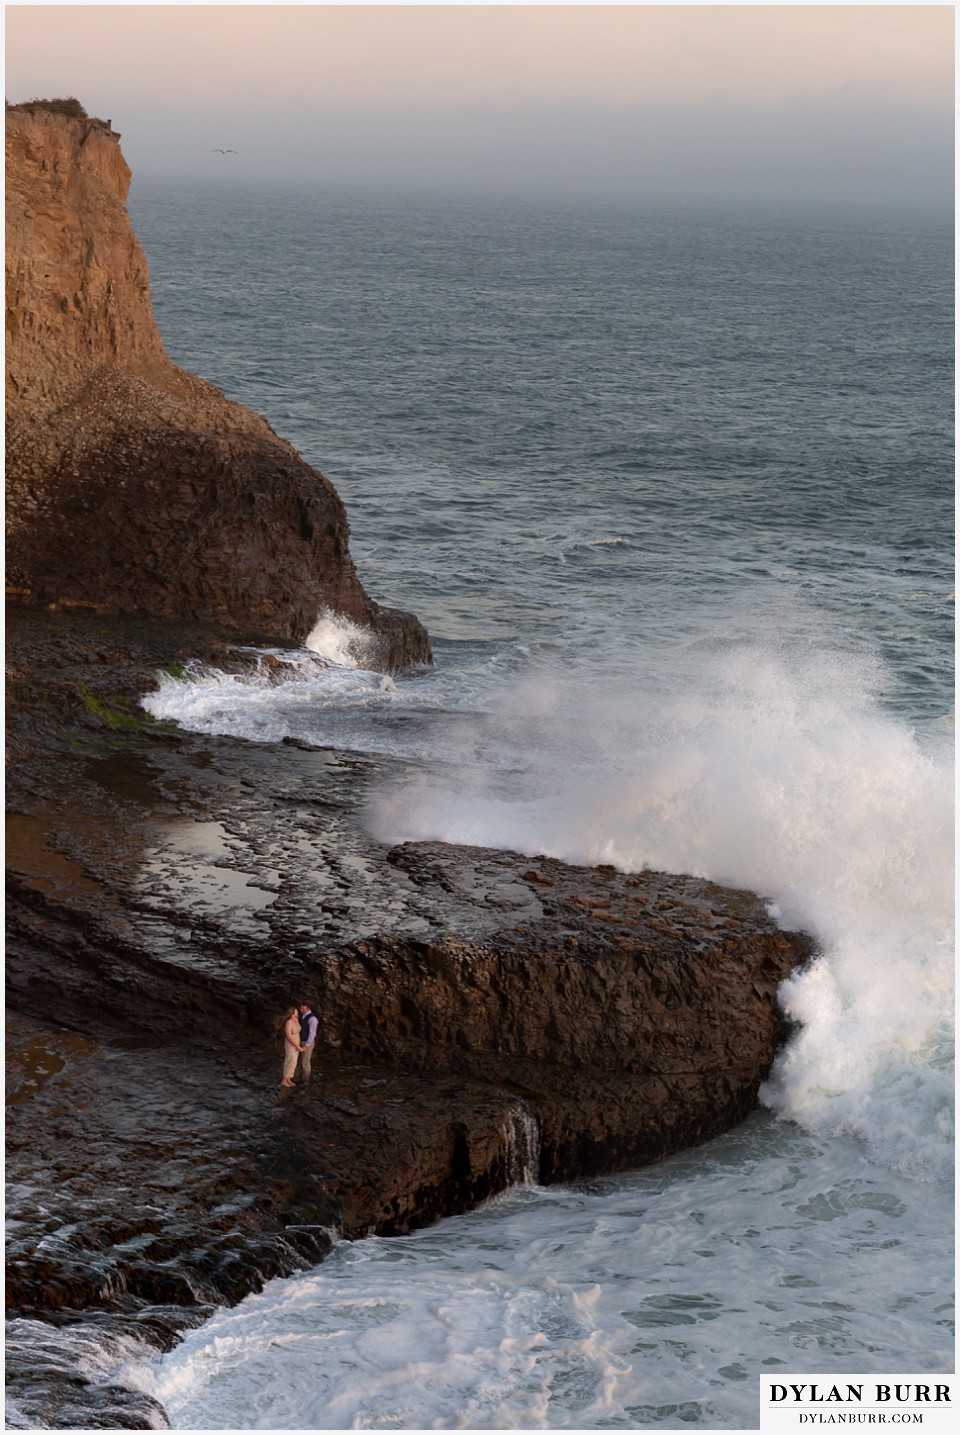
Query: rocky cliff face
(133,486)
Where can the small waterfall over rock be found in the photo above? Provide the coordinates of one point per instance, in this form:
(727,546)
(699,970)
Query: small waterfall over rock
(522,1147)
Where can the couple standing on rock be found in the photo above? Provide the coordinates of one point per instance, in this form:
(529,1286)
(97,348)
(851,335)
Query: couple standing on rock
(299,1038)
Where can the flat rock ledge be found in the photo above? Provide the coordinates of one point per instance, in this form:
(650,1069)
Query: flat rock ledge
(486,1018)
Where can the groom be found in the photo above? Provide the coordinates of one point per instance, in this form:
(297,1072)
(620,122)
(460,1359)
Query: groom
(308,1037)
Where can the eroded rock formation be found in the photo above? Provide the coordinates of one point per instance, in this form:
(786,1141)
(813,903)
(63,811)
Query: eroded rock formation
(134,486)
(484,1015)
(189,887)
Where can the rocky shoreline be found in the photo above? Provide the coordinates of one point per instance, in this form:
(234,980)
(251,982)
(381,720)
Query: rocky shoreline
(485,1015)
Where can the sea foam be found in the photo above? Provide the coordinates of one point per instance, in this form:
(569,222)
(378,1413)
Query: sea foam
(267,703)
(643,1300)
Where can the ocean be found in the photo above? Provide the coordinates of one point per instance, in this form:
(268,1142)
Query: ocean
(671,488)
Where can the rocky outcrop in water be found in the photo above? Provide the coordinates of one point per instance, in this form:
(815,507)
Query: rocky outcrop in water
(484,1015)
(133,486)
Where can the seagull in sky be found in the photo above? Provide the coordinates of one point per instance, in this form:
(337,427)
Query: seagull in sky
(224,151)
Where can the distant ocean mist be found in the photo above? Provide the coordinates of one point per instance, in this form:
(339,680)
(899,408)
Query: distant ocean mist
(891,151)
(672,489)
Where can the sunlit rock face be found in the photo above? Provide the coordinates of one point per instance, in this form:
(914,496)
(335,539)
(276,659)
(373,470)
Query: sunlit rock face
(134,486)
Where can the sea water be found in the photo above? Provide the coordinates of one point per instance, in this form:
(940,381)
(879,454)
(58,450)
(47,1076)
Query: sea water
(671,489)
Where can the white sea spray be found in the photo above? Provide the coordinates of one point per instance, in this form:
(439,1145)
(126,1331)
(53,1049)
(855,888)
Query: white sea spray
(767,765)
(347,644)
(778,772)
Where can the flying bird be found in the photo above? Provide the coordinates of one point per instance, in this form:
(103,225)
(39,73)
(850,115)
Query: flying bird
(224,151)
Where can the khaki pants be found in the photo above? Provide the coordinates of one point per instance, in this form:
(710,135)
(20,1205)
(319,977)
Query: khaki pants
(306,1057)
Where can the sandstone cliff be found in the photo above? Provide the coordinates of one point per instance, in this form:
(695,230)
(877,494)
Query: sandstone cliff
(133,486)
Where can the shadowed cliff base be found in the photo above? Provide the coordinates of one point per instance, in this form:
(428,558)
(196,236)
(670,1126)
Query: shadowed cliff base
(485,1017)
(133,486)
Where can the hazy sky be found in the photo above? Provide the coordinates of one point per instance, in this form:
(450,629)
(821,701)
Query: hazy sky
(821,101)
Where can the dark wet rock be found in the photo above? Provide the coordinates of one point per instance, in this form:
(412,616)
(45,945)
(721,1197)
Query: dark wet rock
(45,1389)
(485,1017)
